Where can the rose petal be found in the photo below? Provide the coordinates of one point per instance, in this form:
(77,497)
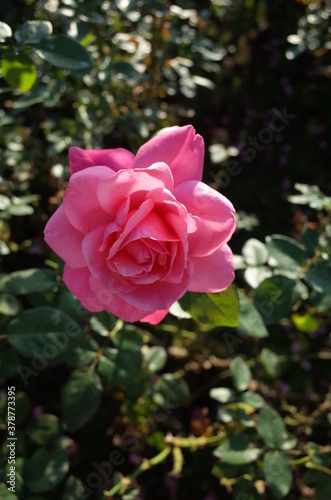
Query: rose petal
(112,191)
(178,147)
(159,295)
(81,205)
(213,273)
(116,159)
(114,303)
(155,317)
(77,280)
(216,215)
(97,263)
(64,239)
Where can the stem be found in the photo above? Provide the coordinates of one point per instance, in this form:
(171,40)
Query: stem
(122,485)
(312,465)
(111,335)
(193,442)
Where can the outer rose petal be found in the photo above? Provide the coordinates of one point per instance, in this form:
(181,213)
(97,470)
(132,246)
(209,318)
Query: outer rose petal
(155,317)
(80,203)
(178,147)
(77,280)
(64,239)
(116,159)
(216,215)
(214,272)
(114,303)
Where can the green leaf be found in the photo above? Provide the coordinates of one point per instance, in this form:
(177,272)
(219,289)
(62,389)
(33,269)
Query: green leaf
(225,415)
(46,469)
(222,394)
(80,398)
(237,451)
(171,391)
(213,309)
(5,31)
(270,362)
(254,400)
(64,52)
(33,32)
(18,69)
(275,298)
(74,489)
(128,339)
(271,427)
(23,407)
(45,429)
(9,360)
(120,367)
(43,332)
(255,252)
(250,323)
(241,374)
(156,358)
(254,276)
(245,490)
(9,305)
(278,473)
(318,277)
(287,254)
(28,281)
(305,322)
(5,494)
(310,239)
(310,195)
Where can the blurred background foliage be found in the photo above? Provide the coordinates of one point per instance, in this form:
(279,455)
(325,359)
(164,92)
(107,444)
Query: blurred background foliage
(229,397)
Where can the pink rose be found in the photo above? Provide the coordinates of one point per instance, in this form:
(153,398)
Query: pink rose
(137,232)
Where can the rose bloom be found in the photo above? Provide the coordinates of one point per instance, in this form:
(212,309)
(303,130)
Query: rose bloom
(137,232)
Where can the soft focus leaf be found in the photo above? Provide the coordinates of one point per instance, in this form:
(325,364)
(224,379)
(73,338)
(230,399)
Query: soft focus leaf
(5,31)
(241,374)
(18,69)
(305,322)
(278,473)
(64,52)
(120,367)
(255,252)
(46,469)
(271,427)
(287,254)
(250,323)
(253,399)
(44,332)
(9,305)
(318,277)
(170,391)
(222,394)
(237,451)
(156,358)
(45,429)
(33,31)
(28,281)
(270,362)
(9,360)
(275,297)
(80,397)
